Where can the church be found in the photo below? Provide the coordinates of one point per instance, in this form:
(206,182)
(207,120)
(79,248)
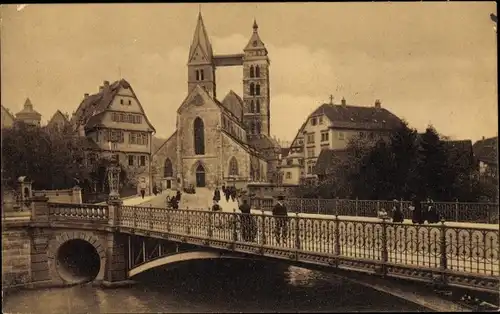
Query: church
(224,141)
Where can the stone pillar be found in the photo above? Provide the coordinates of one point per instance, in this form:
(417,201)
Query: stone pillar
(115,273)
(76,195)
(39,257)
(114,206)
(39,209)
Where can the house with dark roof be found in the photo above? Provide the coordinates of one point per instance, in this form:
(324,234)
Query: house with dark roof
(58,121)
(8,118)
(115,123)
(327,130)
(221,142)
(486,153)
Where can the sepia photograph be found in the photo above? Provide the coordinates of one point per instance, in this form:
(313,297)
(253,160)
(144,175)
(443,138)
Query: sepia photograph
(285,157)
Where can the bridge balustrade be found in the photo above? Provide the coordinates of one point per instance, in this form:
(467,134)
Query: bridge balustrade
(435,246)
(449,211)
(90,212)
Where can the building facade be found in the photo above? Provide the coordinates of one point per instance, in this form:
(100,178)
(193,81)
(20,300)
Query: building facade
(28,115)
(58,121)
(221,142)
(115,123)
(329,129)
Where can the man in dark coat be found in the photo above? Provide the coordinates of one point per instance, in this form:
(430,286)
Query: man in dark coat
(233,193)
(178,196)
(397,213)
(417,215)
(432,214)
(174,203)
(247,227)
(280,214)
(216,195)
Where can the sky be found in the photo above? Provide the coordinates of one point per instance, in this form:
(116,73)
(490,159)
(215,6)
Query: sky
(429,63)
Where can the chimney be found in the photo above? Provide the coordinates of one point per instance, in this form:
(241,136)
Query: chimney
(106,83)
(101,88)
(344,103)
(86,95)
(378,104)
(484,138)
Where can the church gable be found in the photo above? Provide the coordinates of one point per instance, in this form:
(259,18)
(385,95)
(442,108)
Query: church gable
(198,100)
(234,104)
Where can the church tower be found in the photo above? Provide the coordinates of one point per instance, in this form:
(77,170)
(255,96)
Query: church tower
(201,68)
(256,86)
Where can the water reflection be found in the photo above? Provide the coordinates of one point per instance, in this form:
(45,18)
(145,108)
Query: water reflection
(214,286)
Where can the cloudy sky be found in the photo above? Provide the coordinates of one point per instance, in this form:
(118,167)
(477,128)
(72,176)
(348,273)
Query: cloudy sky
(427,62)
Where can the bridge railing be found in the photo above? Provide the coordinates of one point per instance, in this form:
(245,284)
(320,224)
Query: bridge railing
(437,247)
(80,212)
(449,211)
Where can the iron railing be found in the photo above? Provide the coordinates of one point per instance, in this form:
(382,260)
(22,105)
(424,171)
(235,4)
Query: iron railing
(437,246)
(449,211)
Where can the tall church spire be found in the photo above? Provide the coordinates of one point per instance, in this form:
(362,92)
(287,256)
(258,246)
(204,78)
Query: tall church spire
(255,43)
(201,43)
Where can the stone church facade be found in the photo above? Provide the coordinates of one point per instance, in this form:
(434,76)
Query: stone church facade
(221,142)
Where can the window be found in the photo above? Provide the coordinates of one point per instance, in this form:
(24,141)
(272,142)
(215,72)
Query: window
(258,127)
(233,167)
(341,135)
(257,71)
(324,136)
(202,76)
(252,109)
(121,101)
(313,121)
(289,162)
(320,118)
(143,161)
(310,152)
(138,138)
(257,107)
(257,89)
(252,127)
(197,75)
(116,136)
(131,160)
(310,138)
(252,89)
(199,137)
(252,73)
(129,102)
(288,175)
(168,170)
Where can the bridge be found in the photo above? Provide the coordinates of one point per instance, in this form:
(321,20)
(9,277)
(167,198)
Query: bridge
(110,244)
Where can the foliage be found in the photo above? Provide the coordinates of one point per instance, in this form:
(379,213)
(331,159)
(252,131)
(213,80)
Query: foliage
(403,166)
(53,160)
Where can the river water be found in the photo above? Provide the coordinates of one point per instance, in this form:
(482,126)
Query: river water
(214,286)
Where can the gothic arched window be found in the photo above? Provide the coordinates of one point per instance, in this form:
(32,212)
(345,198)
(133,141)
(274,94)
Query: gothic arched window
(252,74)
(168,171)
(252,89)
(257,106)
(233,167)
(257,89)
(252,108)
(258,128)
(202,77)
(199,137)
(257,71)
(197,75)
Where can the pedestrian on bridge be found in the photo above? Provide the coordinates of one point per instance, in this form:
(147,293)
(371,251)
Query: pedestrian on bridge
(216,195)
(417,215)
(248,231)
(178,196)
(280,214)
(397,213)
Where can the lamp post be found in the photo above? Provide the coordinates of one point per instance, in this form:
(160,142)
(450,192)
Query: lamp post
(113,172)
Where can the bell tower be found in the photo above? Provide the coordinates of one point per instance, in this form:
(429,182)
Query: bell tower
(201,67)
(256,89)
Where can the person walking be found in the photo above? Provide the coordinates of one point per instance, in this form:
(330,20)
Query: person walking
(247,232)
(174,203)
(432,214)
(233,193)
(216,195)
(142,187)
(417,215)
(280,214)
(178,196)
(397,213)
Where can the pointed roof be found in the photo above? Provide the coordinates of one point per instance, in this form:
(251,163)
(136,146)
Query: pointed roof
(28,112)
(6,111)
(255,43)
(91,110)
(57,115)
(200,39)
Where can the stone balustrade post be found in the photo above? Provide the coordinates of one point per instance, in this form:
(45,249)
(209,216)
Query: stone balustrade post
(114,206)
(76,195)
(40,211)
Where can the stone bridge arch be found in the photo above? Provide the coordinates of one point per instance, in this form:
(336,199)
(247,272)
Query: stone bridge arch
(65,251)
(175,258)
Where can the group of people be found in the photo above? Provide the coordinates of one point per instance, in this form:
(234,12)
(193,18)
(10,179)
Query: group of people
(420,212)
(229,192)
(173,201)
